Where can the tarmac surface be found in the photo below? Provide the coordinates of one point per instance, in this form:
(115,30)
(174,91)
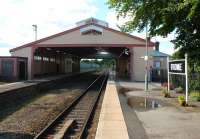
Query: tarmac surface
(165,122)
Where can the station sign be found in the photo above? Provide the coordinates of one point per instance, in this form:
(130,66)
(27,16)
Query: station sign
(177,66)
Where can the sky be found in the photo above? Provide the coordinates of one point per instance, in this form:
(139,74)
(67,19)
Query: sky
(54,16)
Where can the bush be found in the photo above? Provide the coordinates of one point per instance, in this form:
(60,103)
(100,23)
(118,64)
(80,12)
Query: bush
(181,100)
(194,80)
(195,95)
(165,92)
(179,90)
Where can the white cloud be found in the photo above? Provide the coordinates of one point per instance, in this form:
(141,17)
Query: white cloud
(51,16)
(165,45)
(111,18)
(5,51)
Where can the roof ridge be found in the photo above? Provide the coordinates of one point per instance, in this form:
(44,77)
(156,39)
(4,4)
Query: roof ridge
(158,52)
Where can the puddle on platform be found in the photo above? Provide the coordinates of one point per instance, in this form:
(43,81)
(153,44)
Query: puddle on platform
(124,90)
(142,103)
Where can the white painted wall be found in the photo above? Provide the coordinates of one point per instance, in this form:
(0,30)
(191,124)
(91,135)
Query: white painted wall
(139,65)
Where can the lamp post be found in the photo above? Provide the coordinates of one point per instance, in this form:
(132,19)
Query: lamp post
(35,29)
(146,59)
(186,78)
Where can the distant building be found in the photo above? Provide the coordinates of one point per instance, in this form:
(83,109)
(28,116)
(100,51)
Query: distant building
(159,67)
(13,68)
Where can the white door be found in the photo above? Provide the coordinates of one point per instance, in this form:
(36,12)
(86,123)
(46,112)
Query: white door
(68,65)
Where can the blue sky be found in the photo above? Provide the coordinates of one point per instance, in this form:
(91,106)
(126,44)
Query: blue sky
(17,17)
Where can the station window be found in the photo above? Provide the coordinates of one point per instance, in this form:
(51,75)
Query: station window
(157,64)
(52,59)
(45,58)
(37,58)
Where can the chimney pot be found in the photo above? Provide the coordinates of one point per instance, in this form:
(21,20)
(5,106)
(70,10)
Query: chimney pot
(157,46)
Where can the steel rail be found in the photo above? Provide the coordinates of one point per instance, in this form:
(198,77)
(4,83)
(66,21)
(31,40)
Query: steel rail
(92,108)
(45,131)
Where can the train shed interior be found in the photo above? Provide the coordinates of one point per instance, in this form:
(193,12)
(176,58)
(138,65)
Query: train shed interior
(60,60)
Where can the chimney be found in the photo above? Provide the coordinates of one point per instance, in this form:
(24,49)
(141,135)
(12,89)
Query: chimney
(157,46)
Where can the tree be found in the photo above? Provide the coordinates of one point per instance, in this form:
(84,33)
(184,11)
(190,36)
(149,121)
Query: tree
(162,18)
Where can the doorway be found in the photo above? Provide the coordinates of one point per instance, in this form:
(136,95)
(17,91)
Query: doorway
(22,70)
(68,65)
(7,69)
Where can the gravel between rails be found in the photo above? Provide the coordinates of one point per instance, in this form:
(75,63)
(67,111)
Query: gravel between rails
(29,120)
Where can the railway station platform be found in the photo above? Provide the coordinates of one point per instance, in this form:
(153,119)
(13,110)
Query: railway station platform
(111,122)
(23,84)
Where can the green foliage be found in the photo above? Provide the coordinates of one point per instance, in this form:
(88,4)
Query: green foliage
(162,18)
(194,81)
(104,63)
(181,100)
(165,92)
(195,95)
(193,71)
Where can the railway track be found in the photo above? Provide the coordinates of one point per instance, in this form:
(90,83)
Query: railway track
(72,122)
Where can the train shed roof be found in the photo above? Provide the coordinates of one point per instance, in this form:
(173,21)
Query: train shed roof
(91,33)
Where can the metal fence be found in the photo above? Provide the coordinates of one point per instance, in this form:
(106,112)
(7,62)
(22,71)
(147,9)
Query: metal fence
(158,75)
(193,79)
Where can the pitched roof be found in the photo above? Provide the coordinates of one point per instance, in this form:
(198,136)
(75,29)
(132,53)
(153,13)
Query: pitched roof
(156,53)
(74,29)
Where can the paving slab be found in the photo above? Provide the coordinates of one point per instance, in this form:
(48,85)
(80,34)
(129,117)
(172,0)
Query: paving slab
(111,122)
